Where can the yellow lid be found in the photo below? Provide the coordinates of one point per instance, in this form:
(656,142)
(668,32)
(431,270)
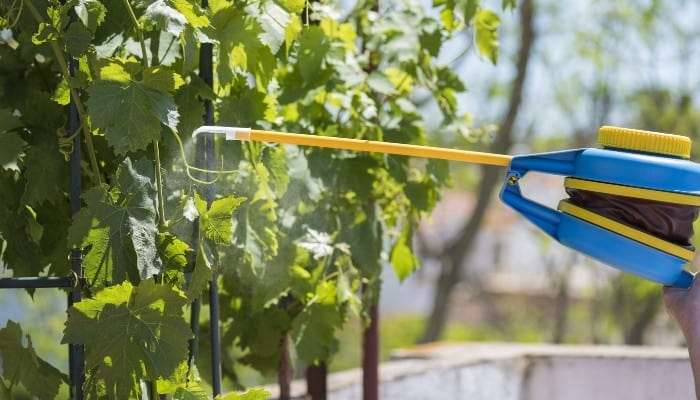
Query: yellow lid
(645,141)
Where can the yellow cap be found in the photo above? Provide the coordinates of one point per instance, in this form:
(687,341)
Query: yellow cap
(645,141)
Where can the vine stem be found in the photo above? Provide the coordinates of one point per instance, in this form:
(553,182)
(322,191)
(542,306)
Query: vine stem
(139,33)
(87,131)
(156,147)
(159,186)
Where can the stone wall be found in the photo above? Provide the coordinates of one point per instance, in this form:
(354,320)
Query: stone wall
(496,371)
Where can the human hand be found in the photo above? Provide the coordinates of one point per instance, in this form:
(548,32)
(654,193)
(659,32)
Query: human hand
(684,306)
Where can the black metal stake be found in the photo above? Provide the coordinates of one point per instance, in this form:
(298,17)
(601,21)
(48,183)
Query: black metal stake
(76,353)
(41,282)
(206,72)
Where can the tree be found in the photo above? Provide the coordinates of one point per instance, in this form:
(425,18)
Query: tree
(452,261)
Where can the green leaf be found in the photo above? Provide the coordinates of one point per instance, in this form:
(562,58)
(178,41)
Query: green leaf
(273,19)
(91,13)
(275,161)
(402,258)
(380,83)
(77,39)
(191,392)
(293,6)
(119,227)
(486,24)
(19,364)
(240,47)
(256,233)
(216,221)
(130,334)
(244,108)
(252,394)
(431,36)
(313,331)
(262,341)
(131,112)
(313,47)
(21,252)
(165,17)
(172,251)
(509,4)
(194,14)
(11,150)
(470,9)
(46,173)
(189,102)
(162,79)
(201,275)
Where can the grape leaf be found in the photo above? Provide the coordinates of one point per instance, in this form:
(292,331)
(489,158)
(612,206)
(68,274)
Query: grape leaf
(190,392)
(255,233)
(263,342)
(129,111)
(11,149)
(77,39)
(313,47)
(486,24)
(240,47)
(201,275)
(20,364)
(172,251)
(313,330)
(194,15)
(273,19)
(20,251)
(151,340)
(216,222)
(91,13)
(402,258)
(244,108)
(46,173)
(165,17)
(509,4)
(119,227)
(189,101)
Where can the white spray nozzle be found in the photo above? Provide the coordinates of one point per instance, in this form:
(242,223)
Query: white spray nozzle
(231,132)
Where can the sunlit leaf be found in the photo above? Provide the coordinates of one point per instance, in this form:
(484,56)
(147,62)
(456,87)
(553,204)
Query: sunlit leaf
(165,17)
(216,220)
(118,226)
(486,24)
(318,243)
(252,394)
(151,342)
(402,258)
(130,111)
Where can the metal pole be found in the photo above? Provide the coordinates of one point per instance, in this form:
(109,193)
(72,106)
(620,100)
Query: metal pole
(76,353)
(37,282)
(206,72)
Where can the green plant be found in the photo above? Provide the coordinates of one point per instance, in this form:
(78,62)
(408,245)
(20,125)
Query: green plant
(293,233)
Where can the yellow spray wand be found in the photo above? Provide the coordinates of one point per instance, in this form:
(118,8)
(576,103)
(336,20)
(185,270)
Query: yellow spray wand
(235,133)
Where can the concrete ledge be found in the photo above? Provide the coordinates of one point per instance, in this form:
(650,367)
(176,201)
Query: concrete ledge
(505,371)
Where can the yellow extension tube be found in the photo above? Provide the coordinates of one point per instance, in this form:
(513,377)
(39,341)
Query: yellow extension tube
(235,133)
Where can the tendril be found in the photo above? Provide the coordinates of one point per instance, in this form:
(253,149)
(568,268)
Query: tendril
(189,168)
(65,143)
(19,13)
